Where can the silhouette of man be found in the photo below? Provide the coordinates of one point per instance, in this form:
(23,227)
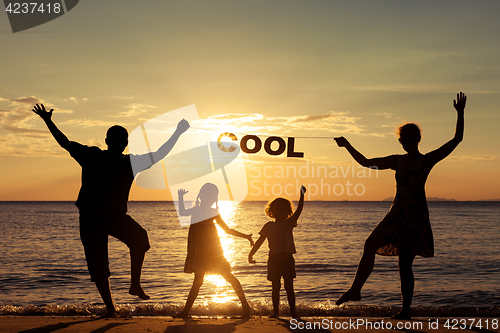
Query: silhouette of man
(106,180)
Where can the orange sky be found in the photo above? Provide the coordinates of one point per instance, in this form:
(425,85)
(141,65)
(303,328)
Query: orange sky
(315,68)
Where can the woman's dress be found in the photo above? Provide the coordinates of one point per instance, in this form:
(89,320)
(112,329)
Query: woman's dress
(406,228)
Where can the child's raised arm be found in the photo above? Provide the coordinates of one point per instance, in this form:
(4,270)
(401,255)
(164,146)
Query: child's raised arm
(182,208)
(254,249)
(297,212)
(231,231)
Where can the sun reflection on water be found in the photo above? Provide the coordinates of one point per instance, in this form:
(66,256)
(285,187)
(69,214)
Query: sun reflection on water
(223,291)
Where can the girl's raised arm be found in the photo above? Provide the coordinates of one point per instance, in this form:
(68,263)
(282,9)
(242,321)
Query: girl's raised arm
(380,163)
(182,209)
(297,212)
(446,149)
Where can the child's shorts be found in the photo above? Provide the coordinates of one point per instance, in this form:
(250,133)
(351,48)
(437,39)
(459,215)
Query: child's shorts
(281,265)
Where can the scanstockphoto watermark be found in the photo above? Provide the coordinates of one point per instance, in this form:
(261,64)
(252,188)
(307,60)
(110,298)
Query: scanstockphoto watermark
(354,324)
(320,180)
(471,324)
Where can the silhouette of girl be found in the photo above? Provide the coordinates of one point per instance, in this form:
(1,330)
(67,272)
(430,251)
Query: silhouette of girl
(204,253)
(405,231)
(281,263)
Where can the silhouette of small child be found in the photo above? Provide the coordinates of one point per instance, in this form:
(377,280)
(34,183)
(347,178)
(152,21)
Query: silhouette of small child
(281,249)
(204,253)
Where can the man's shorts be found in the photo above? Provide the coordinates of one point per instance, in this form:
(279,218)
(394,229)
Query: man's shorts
(281,265)
(94,231)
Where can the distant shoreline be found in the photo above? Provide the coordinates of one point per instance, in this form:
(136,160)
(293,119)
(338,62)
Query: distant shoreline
(390,199)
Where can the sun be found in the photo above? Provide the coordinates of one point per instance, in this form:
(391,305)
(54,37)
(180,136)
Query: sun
(225,142)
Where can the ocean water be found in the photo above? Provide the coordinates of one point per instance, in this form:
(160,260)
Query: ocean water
(43,270)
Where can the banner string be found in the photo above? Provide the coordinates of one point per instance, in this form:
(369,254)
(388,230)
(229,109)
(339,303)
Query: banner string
(268,136)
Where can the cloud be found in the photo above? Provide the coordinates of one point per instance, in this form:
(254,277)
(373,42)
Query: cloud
(473,158)
(32,100)
(423,88)
(22,133)
(96,143)
(135,109)
(332,122)
(14,129)
(15,118)
(123,97)
(36,145)
(75,100)
(324,124)
(27,144)
(88,122)
(311,118)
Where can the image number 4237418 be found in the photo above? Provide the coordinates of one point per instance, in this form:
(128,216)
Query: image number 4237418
(27,14)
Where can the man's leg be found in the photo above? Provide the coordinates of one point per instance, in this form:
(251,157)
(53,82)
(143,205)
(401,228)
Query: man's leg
(104,289)
(95,244)
(136,262)
(135,237)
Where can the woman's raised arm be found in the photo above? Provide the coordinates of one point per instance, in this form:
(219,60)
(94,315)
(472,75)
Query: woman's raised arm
(446,149)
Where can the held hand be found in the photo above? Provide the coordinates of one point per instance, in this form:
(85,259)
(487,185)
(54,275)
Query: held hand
(181,192)
(249,237)
(459,104)
(45,115)
(341,141)
(251,260)
(182,126)
(303,189)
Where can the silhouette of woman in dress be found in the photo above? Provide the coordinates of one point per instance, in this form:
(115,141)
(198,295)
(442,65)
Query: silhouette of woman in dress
(405,231)
(204,253)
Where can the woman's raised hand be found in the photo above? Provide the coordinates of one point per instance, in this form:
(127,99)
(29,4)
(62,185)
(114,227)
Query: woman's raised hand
(181,192)
(44,114)
(341,141)
(459,104)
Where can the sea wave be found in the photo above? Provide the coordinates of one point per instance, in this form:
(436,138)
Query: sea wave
(318,309)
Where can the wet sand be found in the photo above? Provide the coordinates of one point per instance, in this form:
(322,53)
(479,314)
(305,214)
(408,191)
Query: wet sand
(46,324)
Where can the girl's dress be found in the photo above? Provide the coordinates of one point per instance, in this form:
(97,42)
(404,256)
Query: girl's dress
(204,251)
(406,228)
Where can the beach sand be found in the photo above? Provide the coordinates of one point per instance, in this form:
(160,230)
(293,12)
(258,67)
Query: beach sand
(46,324)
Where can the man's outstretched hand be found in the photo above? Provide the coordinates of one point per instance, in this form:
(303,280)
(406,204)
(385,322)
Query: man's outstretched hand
(44,114)
(182,126)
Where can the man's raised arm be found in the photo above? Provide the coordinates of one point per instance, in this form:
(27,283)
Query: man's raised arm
(146,161)
(46,116)
(182,127)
